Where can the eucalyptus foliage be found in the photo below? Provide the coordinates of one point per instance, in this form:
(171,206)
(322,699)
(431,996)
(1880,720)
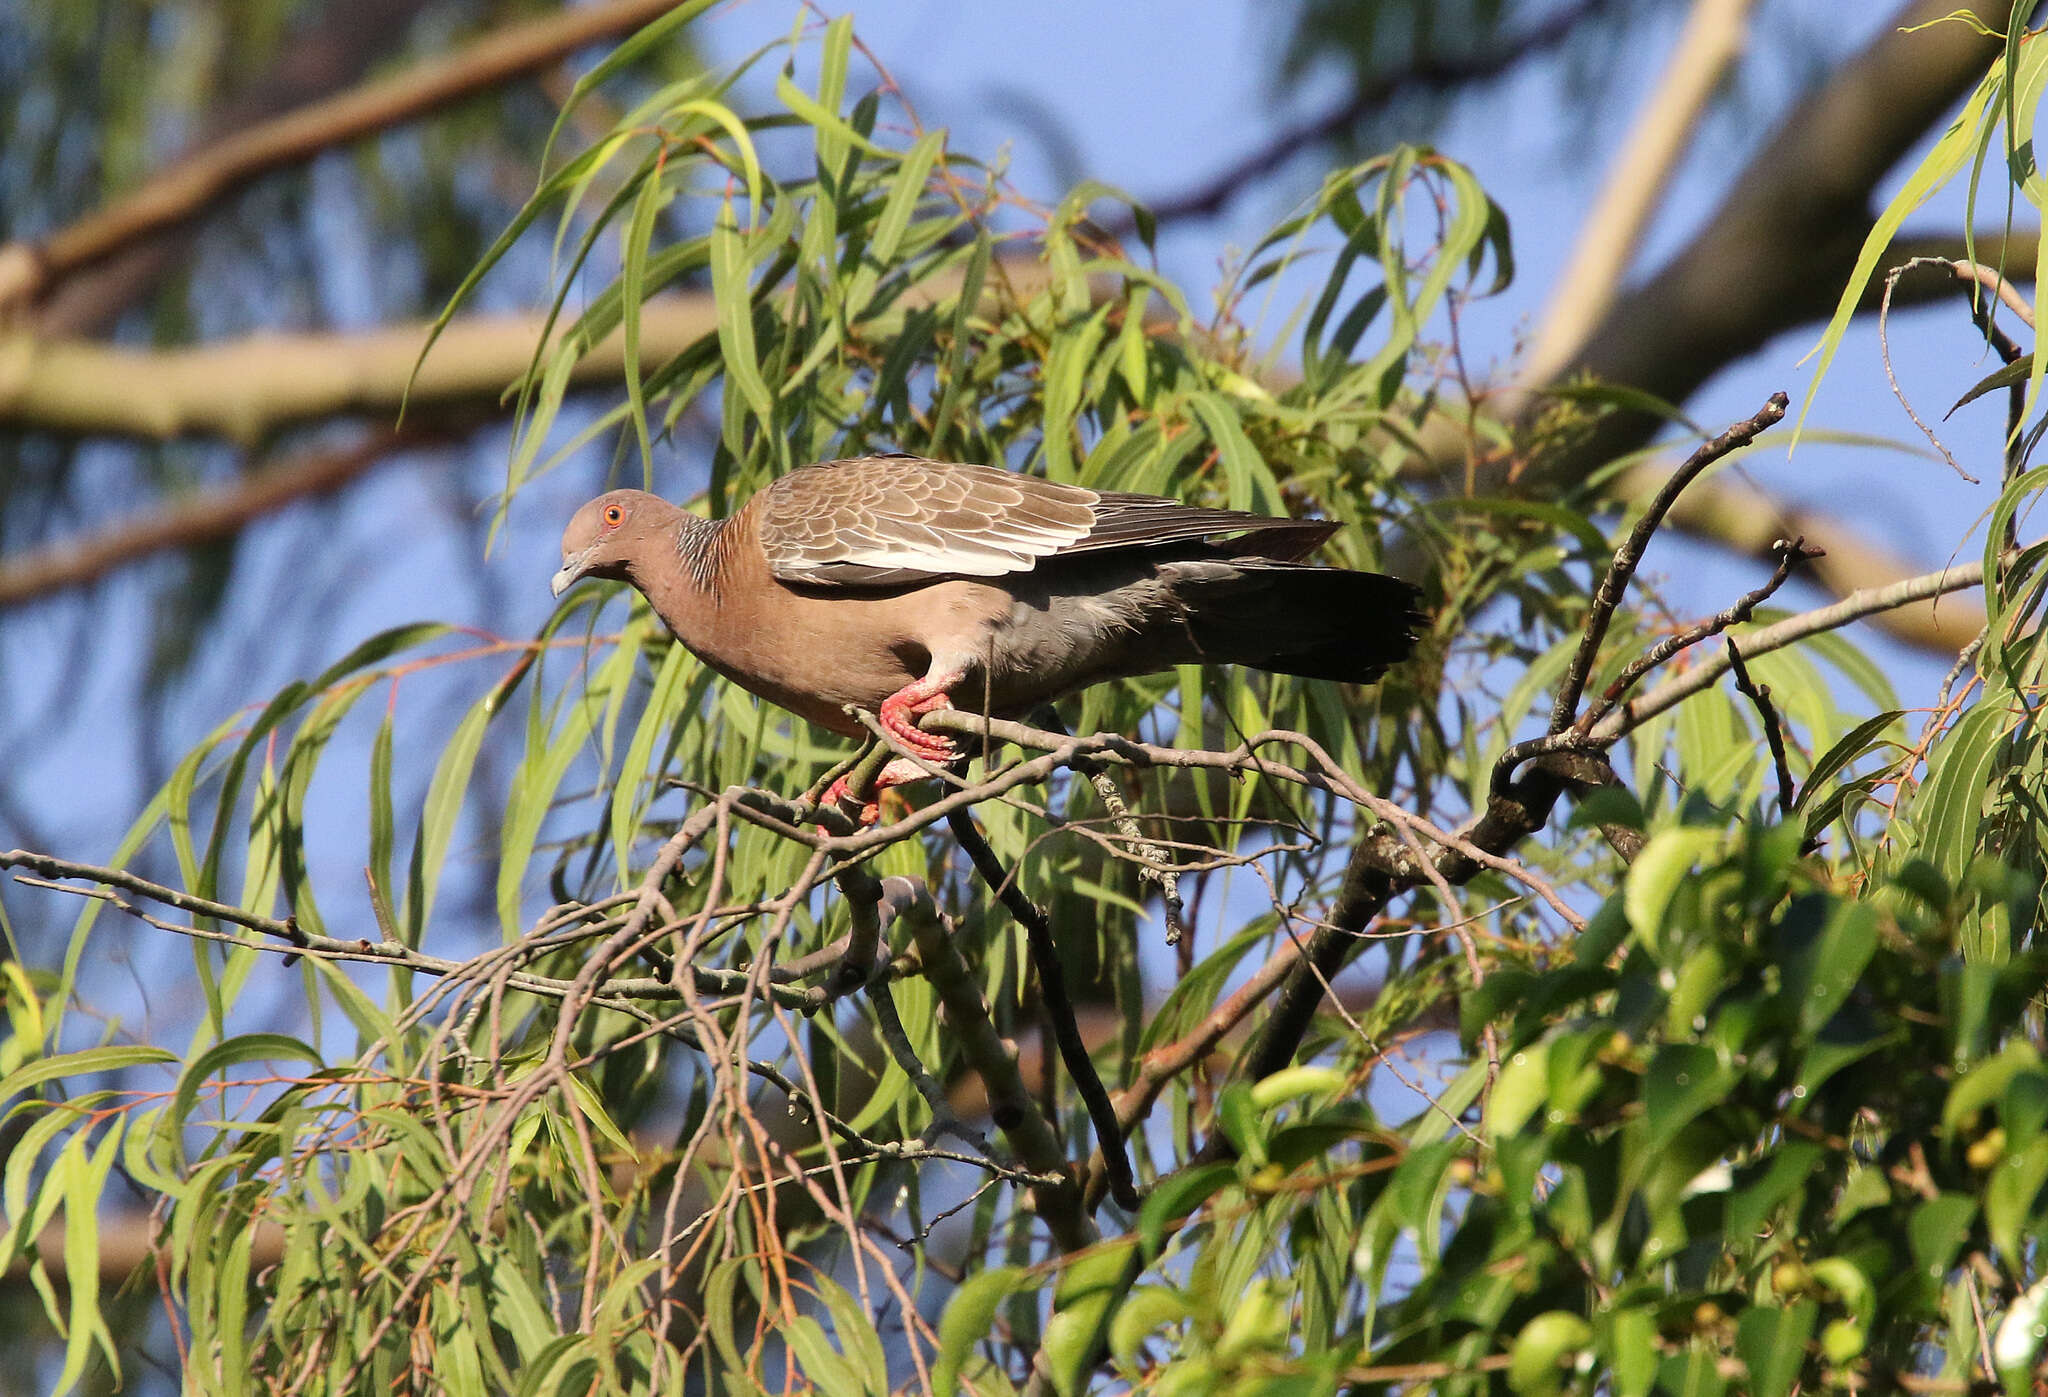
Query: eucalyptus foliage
(1776,1116)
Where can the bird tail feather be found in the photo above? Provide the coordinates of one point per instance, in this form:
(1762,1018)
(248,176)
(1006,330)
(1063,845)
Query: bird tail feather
(1315,622)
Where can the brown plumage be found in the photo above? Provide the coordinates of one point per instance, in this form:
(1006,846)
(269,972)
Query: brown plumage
(904,585)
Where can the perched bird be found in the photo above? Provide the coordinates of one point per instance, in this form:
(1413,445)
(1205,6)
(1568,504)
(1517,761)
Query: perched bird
(904,585)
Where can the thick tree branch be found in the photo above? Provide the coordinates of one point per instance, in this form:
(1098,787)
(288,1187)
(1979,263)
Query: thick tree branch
(332,51)
(207,516)
(249,389)
(1707,48)
(1777,251)
(189,187)
(1213,195)
(246,390)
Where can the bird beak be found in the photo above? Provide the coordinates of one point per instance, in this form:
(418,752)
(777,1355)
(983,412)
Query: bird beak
(572,572)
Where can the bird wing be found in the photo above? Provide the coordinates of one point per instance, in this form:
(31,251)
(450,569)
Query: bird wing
(886,521)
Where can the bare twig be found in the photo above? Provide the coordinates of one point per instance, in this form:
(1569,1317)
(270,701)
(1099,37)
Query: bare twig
(1884,341)
(1615,583)
(1059,1006)
(1774,733)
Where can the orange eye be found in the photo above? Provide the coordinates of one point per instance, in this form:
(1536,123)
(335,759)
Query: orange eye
(614,515)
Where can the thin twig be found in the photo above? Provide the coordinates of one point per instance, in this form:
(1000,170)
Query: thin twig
(1059,1006)
(1884,343)
(1774,733)
(1791,556)
(1614,585)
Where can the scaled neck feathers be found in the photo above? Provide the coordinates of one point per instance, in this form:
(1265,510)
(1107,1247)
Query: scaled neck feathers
(700,544)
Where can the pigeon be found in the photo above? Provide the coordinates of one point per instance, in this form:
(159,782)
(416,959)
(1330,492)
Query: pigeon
(901,585)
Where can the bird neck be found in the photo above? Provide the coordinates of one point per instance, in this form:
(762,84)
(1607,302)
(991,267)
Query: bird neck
(700,545)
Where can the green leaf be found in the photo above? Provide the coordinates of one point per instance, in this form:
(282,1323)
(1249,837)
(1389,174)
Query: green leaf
(1862,738)
(970,1317)
(1175,1198)
(1149,1309)
(730,265)
(1772,1343)
(820,1364)
(1821,974)
(1091,1287)
(439,812)
(858,1338)
(1654,877)
(83,1063)
(2006,376)
(84,1179)
(1940,165)
(1521,1091)
(1242,1121)
(1684,1080)
(247,1047)
(1938,1229)
(1542,1351)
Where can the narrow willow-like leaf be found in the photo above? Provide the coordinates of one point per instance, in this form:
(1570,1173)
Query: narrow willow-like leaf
(438,814)
(729,267)
(1939,166)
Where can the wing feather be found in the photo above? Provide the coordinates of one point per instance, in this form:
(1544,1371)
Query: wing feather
(883,521)
(849,520)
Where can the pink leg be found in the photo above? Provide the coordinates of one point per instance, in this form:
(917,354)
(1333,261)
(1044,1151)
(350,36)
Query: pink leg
(895,773)
(900,710)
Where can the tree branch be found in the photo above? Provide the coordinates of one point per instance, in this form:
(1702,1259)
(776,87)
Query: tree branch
(246,390)
(187,188)
(207,516)
(1777,251)
(1431,74)
(1711,42)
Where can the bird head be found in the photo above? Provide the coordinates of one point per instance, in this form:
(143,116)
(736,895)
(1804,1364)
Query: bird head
(608,534)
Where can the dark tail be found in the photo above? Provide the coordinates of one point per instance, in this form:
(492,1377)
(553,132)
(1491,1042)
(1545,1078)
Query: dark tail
(1316,622)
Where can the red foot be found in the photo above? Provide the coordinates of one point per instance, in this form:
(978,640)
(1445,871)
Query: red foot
(899,717)
(870,809)
(895,773)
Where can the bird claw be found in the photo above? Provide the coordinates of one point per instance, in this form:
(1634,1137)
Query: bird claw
(896,772)
(870,808)
(899,719)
